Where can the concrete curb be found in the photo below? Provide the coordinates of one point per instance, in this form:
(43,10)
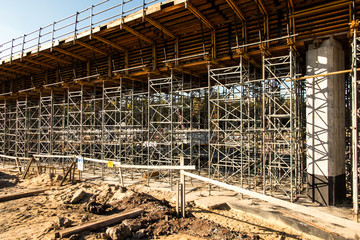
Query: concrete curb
(286,217)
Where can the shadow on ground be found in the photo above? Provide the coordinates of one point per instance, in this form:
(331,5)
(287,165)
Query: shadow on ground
(7,180)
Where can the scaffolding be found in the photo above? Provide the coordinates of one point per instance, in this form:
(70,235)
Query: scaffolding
(254,128)
(280,123)
(235,125)
(3,127)
(45,124)
(110,147)
(33,129)
(21,128)
(162,148)
(59,109)
(10,132)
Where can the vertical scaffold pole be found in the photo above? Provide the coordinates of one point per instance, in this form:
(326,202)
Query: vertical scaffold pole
(354,86)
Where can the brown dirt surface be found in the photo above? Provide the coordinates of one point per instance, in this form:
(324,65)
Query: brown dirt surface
(39,217)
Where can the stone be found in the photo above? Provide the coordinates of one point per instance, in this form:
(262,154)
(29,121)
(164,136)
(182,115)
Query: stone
(133,224)
(84,218)
(74,237)
(139,234)
(119,232)
(64,222)
(78,195)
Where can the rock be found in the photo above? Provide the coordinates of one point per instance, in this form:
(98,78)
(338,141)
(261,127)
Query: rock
(122,189)
(74,237)
(118,196)
(120,232)
(64,222)
(139,234)
(133,224)
(84,218)
(95,207)
(78,195)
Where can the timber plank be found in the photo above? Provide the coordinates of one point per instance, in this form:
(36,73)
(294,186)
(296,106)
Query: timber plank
(8,197)
(105,221)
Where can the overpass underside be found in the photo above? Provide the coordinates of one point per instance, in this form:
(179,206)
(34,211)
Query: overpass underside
(218,83)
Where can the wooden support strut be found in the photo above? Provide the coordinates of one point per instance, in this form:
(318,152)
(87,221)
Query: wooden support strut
(69,53)
(108,42)
(237,10)
(55,58)
(136,33)
(8,74)
(199,15)
(69,171)
(38,62)
(28,167)
(88,46)
(26,66)
(13,70)
(159,26)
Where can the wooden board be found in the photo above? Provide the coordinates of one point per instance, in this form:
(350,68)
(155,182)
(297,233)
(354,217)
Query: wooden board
(8,197)
(105,221)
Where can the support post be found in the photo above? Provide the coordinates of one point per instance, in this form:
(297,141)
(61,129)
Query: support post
(182,183)
(177,199)
(354,97)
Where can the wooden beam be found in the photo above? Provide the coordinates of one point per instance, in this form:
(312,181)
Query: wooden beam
(181,69)
(291,3)
(159,26)
(92,47)
(55,58)
(13,70)
(38,63)
(136,33)
(8,197)
(69,54)
(130,77)
(262,7)
(26,66)
(237,10)
(8,74)
(104,221)
(111,80)
(85,83)
(108,42)
(199,15)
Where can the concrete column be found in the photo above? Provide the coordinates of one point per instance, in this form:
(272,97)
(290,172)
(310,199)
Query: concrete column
(325,123)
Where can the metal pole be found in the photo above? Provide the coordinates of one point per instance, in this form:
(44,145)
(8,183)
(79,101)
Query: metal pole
(355,182)
(182,182)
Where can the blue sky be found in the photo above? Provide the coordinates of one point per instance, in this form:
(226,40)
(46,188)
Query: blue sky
(22,16)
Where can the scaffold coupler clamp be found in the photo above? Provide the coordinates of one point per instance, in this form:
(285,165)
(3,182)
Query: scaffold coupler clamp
(240,51)
(354,25)
(263,49)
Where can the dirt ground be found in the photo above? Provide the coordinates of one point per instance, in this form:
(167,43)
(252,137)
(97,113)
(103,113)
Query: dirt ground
(39,217)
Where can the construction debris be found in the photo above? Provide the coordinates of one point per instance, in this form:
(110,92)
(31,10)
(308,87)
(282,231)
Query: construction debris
(119,232)
(78,195)
(63,222)
(50,214)
(106,221)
